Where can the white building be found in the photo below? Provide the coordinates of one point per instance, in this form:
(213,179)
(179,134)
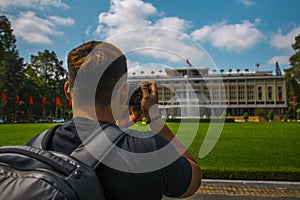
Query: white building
(194,92)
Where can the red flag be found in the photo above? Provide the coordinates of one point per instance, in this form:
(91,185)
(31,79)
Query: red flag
(188,62)
(17,100)
(44,100)
(70,102)
(30,100)
(57,101)
(4,98)
(294,100)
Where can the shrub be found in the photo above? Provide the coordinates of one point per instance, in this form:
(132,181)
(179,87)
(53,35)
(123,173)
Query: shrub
(246,116)
(260,112)
(270,115)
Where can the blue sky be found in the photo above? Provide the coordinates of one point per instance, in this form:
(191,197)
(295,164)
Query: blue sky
(233,34)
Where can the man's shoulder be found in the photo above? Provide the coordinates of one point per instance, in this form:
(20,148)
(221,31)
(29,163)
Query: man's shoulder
(142,141)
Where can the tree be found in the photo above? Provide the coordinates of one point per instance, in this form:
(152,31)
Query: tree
(48,66)
(11,67)
(293,73)
(293,78)
(46,74)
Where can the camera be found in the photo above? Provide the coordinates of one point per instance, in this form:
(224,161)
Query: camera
(136,94)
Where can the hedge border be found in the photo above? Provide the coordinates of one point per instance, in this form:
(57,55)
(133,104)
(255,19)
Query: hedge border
(251,175)
(200,120)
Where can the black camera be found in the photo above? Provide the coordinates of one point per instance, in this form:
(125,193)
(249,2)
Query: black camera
(136,94)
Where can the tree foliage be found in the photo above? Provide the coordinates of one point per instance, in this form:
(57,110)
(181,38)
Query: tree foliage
(293,73)
(11,65)
(45,77)
(42,78)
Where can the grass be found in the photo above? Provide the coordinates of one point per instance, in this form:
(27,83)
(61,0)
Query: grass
(20,134)
(267,151)
(259,151)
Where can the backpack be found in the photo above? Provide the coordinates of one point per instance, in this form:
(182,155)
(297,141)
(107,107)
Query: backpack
(30,172)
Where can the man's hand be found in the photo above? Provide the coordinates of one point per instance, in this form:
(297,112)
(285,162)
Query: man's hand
(149,102)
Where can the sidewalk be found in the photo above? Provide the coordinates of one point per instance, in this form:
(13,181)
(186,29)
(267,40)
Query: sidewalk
(246,190)
(278,189)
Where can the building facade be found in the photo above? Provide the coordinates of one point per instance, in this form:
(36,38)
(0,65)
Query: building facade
(194,92)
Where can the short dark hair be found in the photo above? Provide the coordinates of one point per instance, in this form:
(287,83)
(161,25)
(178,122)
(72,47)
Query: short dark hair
(103,56)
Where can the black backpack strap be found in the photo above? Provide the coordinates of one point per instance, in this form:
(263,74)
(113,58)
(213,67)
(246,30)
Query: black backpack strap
(42,140)
(93,150)
(98,145)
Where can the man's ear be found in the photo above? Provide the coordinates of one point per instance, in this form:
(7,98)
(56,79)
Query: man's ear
(67,90)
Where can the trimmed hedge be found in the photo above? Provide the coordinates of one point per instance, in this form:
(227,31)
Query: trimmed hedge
(251,175)
(200,120)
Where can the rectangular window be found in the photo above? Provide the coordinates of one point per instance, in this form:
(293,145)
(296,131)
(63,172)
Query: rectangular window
(215,93)
(250,92)
(270,92)
(259,93)
(232,92)
(241,93)
(279,91)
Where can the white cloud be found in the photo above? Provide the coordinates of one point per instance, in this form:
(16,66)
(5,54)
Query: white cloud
(34,29)
(37,4)
(247,2)
(281,59)
(125,15)
(282,41)
(62,21)
(157,43)
(233,37)
(134,25)
(173,23)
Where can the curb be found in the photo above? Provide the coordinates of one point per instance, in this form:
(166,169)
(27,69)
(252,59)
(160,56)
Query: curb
(255,189)
(252,184)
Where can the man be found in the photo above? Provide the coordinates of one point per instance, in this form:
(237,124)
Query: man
(98,88)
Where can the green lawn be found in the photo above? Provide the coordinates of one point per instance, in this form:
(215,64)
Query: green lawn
(253,151)
(20,134)
(265,151)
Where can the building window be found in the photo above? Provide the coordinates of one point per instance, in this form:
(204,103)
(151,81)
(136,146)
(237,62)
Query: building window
(259,93)
(279,92)
(215,91)
(270,92)
(250,92)
(232,92)
(241,93)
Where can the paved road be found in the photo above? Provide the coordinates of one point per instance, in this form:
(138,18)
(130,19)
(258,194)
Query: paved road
(246,190)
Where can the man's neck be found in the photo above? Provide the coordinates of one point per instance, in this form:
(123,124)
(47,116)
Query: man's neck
(105,115)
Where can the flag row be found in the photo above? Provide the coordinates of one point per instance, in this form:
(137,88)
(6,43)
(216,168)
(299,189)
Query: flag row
(31,101)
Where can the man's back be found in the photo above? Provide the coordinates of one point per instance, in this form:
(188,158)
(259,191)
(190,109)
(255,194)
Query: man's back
(171,180)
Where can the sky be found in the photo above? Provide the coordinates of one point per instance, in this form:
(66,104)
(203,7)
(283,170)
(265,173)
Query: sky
(219,34)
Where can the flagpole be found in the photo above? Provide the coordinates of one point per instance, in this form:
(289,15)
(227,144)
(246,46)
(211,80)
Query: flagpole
(16,107)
